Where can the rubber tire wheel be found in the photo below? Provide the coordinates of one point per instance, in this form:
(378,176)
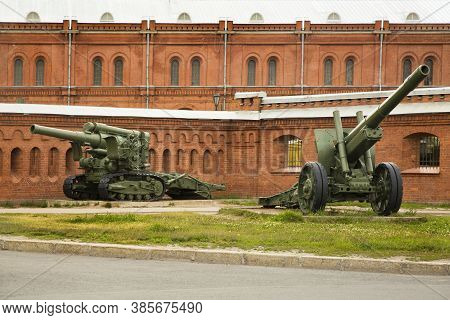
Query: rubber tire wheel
(319,197)
(393,200)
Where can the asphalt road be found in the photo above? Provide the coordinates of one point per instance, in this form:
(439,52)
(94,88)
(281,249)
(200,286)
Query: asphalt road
(45,276)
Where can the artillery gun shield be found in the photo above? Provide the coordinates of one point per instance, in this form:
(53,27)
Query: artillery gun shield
(312,187)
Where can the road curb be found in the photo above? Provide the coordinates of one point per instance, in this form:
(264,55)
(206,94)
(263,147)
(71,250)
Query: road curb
(232,257)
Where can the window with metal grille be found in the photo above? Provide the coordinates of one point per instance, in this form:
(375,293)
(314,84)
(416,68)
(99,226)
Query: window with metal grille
(349,66)
(407,68)
(97,72)
(18,72)
(195,76)
(251,72)
(428,81)
(328,72)
(40,67)
(118,72)
(272,72)
(429,151)
(294,152)
(174,72)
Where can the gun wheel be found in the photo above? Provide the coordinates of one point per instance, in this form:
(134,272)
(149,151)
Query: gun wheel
(312,187)
(388,194)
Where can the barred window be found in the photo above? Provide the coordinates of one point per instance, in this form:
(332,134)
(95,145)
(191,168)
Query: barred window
(428,81)
(174,72)
(251,72)
(195,76)
(18,72)
(97,71)
(328,72)
(272,72)
(294,152)
(40,67)
(118,72)
(407,67)
(429,151)
(349,66)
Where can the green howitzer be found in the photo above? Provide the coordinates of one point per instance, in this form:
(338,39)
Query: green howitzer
(115,162)
(345,168)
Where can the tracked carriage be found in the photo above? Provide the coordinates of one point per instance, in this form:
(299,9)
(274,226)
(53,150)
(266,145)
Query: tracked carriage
(114,161)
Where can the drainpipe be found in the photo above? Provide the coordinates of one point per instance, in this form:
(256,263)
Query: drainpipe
(69,75)
(381,56)
(147,65)
(303,55)
(225,66)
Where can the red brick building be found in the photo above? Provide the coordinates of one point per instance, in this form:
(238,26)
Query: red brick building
(182,64)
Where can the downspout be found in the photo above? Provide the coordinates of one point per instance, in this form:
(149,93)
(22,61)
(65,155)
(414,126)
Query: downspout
(303,56)
(225,66)
(147,66)
(69,75)
(381,56)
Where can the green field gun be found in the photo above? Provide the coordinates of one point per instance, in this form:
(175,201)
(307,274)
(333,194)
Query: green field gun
(345,168)
(115,162)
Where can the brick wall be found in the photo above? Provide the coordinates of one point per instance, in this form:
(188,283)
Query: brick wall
(245,155)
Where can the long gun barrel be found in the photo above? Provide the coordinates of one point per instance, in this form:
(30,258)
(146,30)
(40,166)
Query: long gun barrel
(94,139)
(367,132)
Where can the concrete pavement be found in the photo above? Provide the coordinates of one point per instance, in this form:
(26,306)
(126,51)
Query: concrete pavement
(52,276)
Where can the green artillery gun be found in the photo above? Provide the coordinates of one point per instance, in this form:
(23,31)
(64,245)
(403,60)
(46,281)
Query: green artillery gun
(114,161)
(345,169)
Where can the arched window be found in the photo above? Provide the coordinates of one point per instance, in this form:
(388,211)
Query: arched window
(429,79)
(16,161)
(207,162)
(251,72)
(33,17)
(40,67)
(53,162)
(328,72)
(193,159)
(118,72)
(349,66)
(184,18)
(70,163)
(35,162)
(333,18)
(107,17)
(97,66)
(272,80)
(180,157)
(152,159)
(220,161)
(256,18)
(195,76)
(18,72)
(294,152)
(166,161)
(407,67)
(412,17)
(174,72)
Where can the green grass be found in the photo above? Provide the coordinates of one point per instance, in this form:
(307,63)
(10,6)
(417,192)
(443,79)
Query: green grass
(405,205)
(237,228)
